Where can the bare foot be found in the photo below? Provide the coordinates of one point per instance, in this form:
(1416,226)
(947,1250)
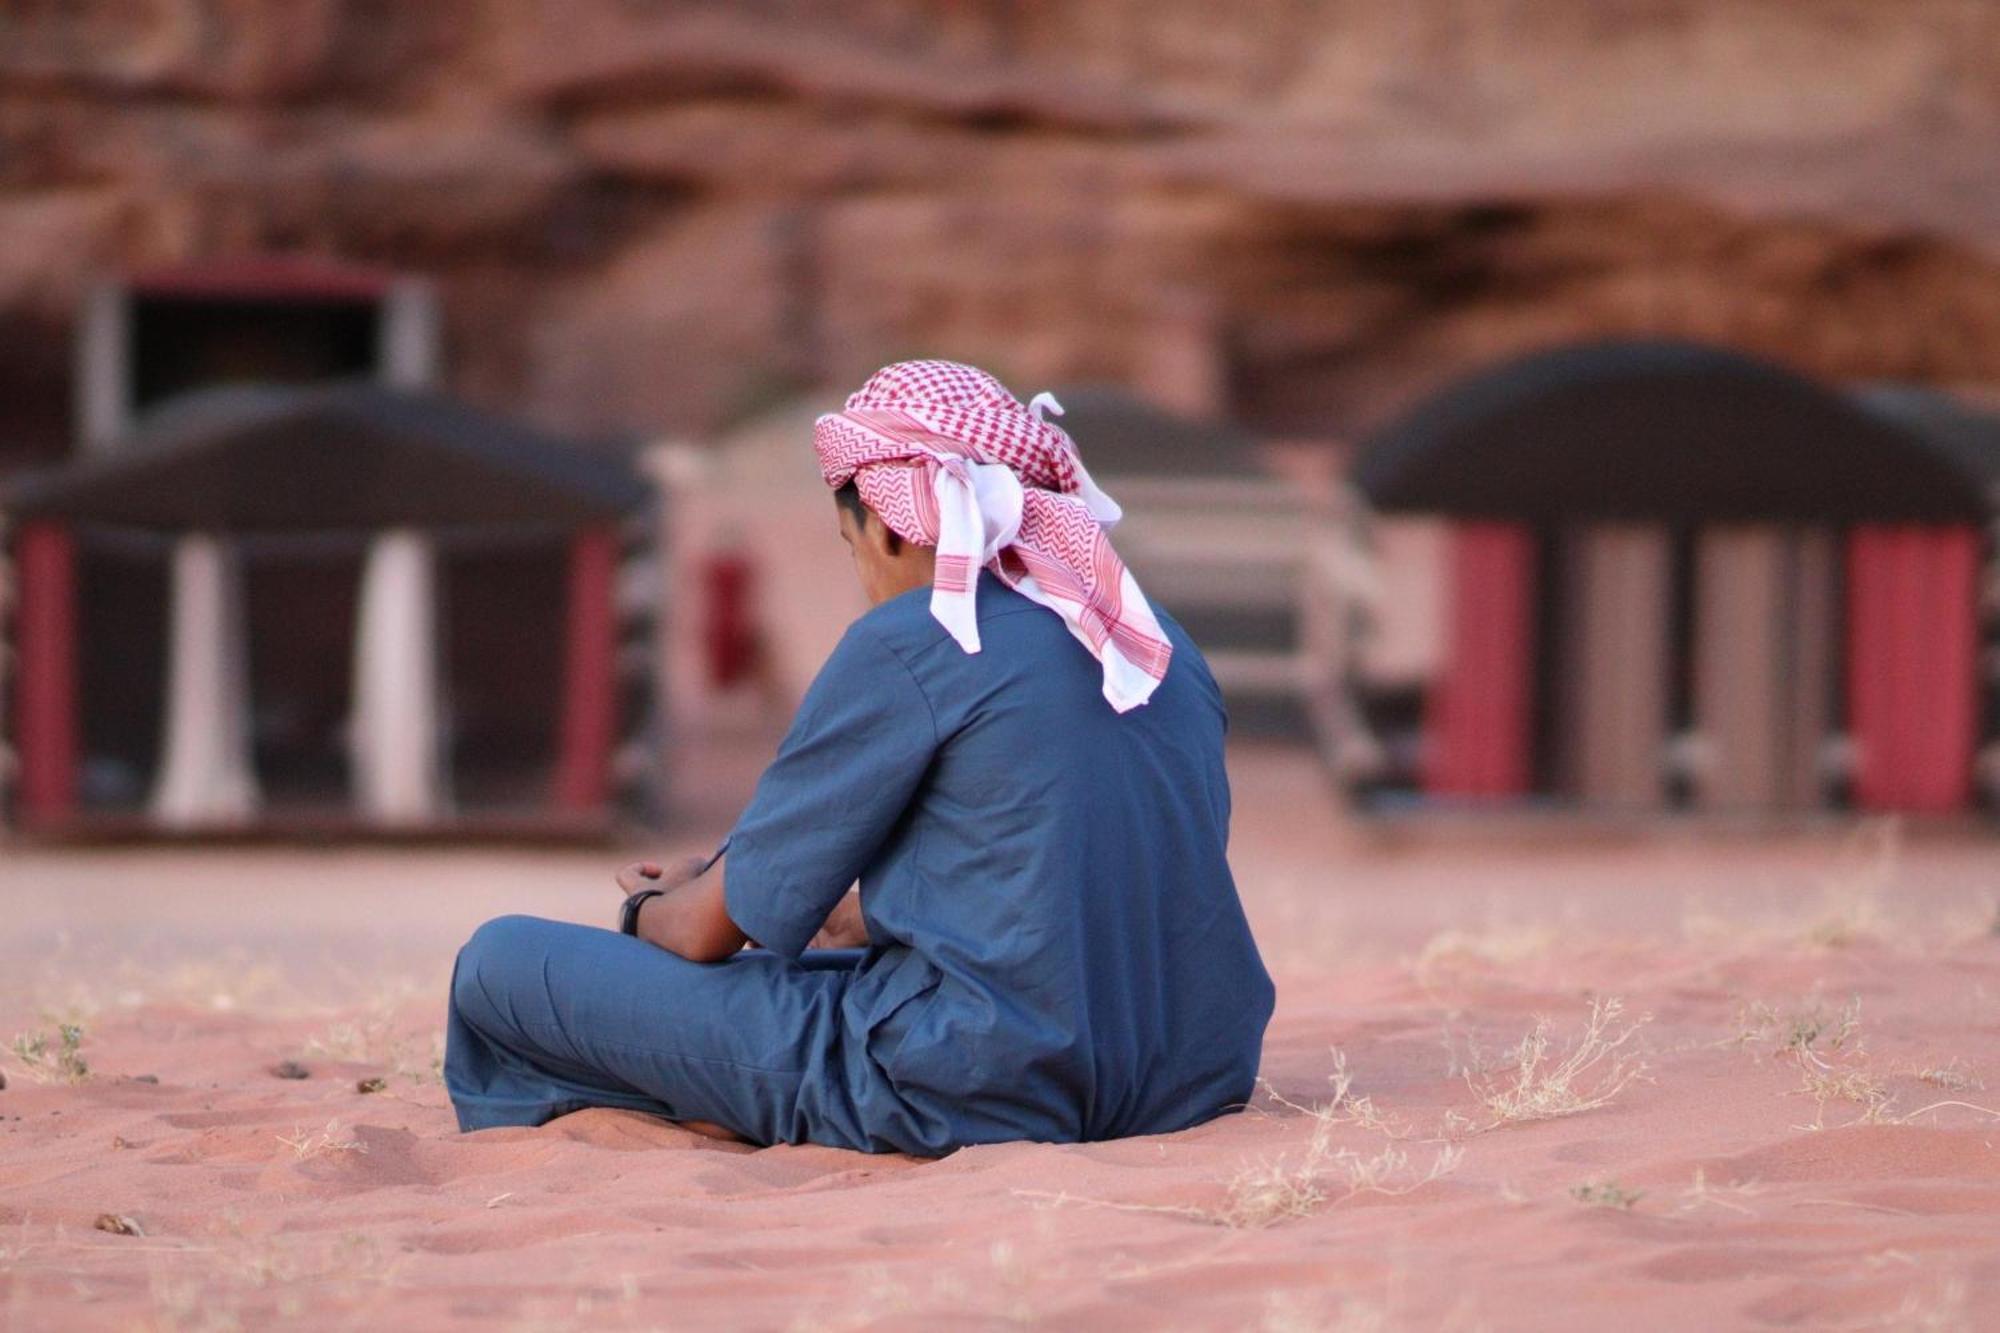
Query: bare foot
(712,1131)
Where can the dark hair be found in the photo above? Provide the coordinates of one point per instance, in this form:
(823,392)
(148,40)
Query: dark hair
(848,497)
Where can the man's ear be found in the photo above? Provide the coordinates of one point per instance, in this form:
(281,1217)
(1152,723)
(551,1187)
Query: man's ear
(883,535)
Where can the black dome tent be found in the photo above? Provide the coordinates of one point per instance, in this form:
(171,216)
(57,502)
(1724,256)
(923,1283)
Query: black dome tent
(1676,570)
(1663,431)
(319,604)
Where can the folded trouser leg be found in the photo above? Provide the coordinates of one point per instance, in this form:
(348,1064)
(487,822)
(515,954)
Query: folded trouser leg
(548,1017)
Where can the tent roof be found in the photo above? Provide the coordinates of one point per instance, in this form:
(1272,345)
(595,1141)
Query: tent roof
(1970,435)
(1664,431)
(330,457)
(1122,435)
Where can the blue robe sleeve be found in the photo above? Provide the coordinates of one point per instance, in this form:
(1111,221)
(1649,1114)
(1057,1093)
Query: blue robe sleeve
(862,741)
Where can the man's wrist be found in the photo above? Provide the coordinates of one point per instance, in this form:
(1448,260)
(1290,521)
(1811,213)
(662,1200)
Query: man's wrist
(628,915)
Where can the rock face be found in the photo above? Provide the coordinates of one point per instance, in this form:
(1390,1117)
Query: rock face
(657,215)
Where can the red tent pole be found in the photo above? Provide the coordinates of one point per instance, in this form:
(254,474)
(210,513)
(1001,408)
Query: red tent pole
(1477,714)
(46,689)
(1913,665)
(590,674)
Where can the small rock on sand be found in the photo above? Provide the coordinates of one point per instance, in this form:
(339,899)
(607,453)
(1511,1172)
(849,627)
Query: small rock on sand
(290,1069)
(373,1083)
(118,1225)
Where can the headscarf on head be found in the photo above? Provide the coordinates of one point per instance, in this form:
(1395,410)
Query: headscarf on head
(948,458)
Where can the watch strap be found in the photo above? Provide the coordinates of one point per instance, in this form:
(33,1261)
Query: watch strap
(628,915)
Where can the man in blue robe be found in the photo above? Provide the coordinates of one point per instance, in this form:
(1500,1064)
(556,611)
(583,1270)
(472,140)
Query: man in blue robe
(1020,762)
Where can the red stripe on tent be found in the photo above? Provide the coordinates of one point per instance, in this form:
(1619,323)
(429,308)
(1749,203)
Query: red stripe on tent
(1912,675)
(265,278)
(1478,710)
(590,673)
(46,689)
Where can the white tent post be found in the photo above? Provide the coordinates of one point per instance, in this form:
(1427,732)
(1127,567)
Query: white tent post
(399,778)
(409,334)
(206,777)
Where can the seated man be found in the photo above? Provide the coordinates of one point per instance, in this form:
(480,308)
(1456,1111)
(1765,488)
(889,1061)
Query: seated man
(1018,759)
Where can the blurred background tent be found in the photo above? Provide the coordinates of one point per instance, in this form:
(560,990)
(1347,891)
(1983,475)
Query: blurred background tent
(1678,575)
(304,600)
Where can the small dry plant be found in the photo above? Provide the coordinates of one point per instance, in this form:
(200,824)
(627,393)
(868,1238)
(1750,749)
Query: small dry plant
(306,1145)
(1832,1059)
(1542,1082)
(46,1062)
(1952,1076)
(1828,1049)
(1853,1083)
(1345,1108)
(1268,1192)
(1605,1194)
(1802,1031)
(1280,1188)
(1701,1194)
(380,1042)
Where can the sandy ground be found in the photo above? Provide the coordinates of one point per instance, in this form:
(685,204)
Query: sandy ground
(1790,1125)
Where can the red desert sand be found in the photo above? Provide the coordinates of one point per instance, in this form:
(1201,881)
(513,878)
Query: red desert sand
(1784,1113)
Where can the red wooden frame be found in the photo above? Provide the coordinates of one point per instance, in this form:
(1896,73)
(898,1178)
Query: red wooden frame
(1912,665)
(1478,713)
(46,729)
(590,674)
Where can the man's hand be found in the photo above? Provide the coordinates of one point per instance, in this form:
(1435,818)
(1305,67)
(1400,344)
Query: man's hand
(653,875)
(844,928)
(689,918)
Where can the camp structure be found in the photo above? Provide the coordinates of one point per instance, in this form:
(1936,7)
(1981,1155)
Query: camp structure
(1213,535)
(334,605)
(1670,575)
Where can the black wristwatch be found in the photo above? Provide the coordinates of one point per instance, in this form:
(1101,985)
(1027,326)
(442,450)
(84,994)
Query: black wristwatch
(628,915)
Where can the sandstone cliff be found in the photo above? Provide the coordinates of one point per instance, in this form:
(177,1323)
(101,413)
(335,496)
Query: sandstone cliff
(657,215)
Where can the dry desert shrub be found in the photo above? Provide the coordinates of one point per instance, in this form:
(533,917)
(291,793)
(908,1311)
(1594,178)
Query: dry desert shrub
(1701,1194)
(1282,1188)
(1831,1053)
(1952,1076)
(1277,1189)
(1606,1194)
(380,1041)
(1826,1083)
(306,1145)
(1541,1081)
(1807,1028)
(1346,1108)
(46,1062)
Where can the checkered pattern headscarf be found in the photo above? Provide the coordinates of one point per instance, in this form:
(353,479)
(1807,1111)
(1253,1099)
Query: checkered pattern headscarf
(948,458)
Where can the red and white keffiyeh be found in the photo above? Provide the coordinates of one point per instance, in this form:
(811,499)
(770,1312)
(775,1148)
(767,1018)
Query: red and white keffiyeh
(948,458)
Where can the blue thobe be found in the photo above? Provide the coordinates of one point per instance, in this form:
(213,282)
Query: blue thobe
(1057,950)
